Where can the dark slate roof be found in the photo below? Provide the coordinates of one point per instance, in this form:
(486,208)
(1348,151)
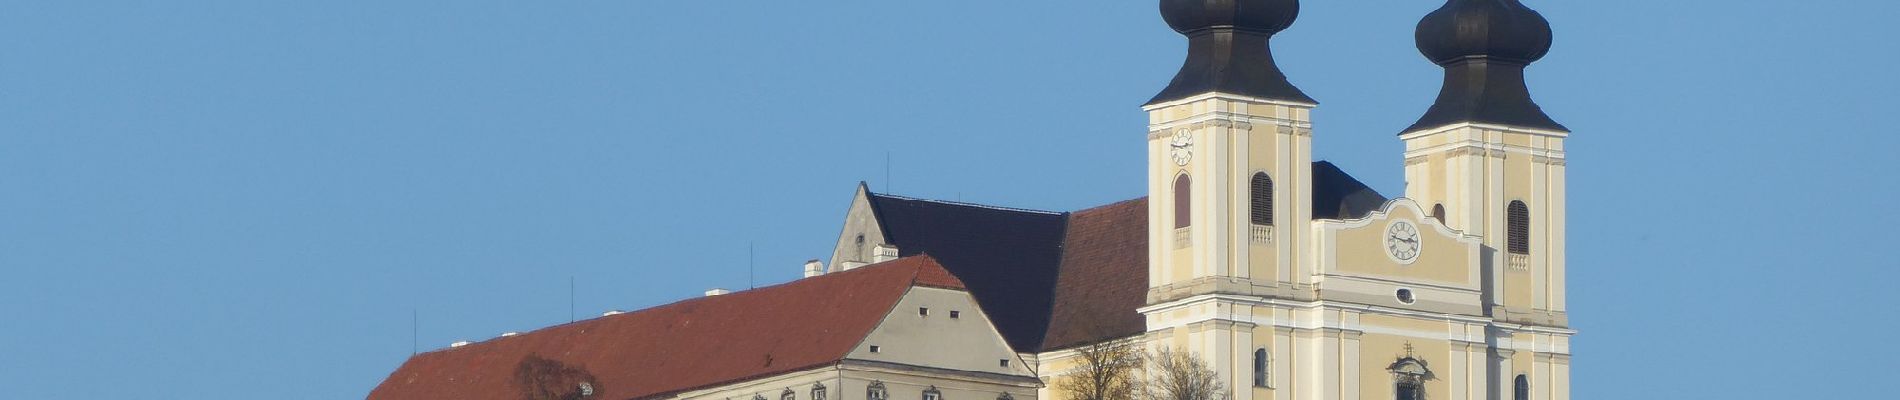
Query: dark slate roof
(1051,280)
(1484,46)
(1007,257)
(1336,195)
(1228,48)
(691,344)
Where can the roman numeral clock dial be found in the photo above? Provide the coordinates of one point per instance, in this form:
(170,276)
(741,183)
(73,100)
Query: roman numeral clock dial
(1401,242)
(1181,148)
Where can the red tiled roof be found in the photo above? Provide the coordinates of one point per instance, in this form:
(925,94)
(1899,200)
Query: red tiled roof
(1104,276)
(690,344)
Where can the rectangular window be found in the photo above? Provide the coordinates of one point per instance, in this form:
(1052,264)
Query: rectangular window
(955,314)
(1003,363)
(874,348)
(923,311)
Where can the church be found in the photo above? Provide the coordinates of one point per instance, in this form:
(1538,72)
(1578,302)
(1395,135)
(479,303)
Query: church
(1288,277)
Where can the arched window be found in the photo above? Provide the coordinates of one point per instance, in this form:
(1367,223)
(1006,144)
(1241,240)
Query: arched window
(1262,199)
(1522,388)
(1260,366)
(1182,200)
(1408,378)
(1438,212)
(876,392)
(1518,228)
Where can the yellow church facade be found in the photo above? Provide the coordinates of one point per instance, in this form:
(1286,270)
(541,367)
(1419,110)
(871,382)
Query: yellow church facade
(1453,291)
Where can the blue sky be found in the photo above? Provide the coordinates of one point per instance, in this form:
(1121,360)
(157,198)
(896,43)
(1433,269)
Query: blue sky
(243,198)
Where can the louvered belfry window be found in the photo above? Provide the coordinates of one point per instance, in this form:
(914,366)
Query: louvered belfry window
(1518,229)
(1182,201)
(1262,199)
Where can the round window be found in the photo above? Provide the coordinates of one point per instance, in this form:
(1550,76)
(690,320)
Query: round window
(1405,296)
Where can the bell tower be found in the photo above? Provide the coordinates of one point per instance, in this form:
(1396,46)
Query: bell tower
(1486,160)
(1229,153)
(1229,167)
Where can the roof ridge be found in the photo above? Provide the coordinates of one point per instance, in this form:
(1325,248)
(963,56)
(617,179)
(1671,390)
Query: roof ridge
(1113,204)
(966,204)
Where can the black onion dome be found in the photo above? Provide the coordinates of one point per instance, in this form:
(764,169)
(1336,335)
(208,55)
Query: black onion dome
(1500,30)
(1228,50)
(1484,46)
(1264,16)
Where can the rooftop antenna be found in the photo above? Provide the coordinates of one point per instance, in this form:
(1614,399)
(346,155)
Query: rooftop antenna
(887,171)
(570,299)
(415,324)
(749,274)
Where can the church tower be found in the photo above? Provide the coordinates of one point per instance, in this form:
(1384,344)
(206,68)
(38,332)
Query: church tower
(1486,160)
(1229,151)
(1229,164)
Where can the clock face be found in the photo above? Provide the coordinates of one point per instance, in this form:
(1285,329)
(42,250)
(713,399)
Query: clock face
(1181,148)
(1401,241)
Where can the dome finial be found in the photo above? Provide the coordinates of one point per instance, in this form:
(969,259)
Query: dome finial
(1484,46)
(1228,50)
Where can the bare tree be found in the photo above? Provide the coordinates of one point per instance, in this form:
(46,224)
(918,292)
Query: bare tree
(544,379)
(1105,371)
(1180,375)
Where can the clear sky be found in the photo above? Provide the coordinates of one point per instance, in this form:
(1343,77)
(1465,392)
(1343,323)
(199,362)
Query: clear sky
(220,199)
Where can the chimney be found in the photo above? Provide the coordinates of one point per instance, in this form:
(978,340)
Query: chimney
(884,252)
(717,291)
(814,268)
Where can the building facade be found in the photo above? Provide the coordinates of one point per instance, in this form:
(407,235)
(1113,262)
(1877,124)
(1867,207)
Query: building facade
(1454,291)
(1289,277)
(899,330)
